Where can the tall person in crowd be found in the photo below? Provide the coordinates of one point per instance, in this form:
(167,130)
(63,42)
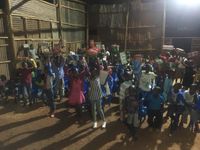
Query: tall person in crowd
(147,81)
(58,67)
(26,79)
(96,95)
(48,86)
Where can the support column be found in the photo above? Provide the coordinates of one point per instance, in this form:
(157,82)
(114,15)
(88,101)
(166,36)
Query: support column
(60,19)
(9,31)
(126,29)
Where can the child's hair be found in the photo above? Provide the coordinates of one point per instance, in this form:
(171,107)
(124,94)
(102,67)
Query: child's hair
(177,86)
(94,73)
(193,87)
(3,78)
(24,64)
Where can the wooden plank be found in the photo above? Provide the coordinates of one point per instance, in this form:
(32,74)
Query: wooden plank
(47,3)
(3,45)
(59,11)
(39,29)
(73,25)
(75,42)
(32,17)
(8,24)
(5,62)
(163,24)
(74,9)
(1,37)
(78,1)
(126,29)
(25,27)
(87,27)
(34,39)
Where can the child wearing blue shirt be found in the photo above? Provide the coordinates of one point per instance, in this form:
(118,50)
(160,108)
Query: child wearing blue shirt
(155,105)
(131,108)
(195,114)
(176,107)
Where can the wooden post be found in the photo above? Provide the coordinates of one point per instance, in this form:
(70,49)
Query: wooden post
(60,19)
(126,29)
(51,28)
(39,28)
(87,26)
(9,30)
(163,24)
(25,29)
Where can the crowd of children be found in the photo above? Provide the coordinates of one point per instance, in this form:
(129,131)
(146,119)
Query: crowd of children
(144,87)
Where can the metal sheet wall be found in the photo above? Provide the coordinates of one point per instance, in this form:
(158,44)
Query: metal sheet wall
(107,23)
(142,21)
(4,62)
(73,20)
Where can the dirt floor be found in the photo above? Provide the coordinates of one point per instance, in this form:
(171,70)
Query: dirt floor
(30,128)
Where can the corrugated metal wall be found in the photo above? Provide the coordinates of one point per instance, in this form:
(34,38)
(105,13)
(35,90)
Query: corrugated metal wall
(35,22)
(4,62)
(107,23)
(142,21)
(73,20)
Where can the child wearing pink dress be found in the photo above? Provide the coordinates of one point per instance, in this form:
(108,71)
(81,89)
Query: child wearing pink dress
(76,96)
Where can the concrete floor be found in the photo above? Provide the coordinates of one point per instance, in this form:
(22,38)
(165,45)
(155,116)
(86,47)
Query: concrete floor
(29,128)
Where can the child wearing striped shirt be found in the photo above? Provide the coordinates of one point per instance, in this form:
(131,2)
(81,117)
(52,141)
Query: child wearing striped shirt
(95,96)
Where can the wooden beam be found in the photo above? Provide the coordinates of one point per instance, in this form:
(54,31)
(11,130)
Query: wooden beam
(3,37)
(39,28)
(33,17)
(3,45)
(163,24)
(18,5)
(5,62)
(59,12)
(8,24)
(74,9)
(126,30)
(34,39)
(73,25)
(47,3)
(51,28)
(25,27)
(78,1)
(87,27)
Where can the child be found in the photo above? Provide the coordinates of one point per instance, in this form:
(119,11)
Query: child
(176,107)
(115,83)
(190,96)
(167,87)
(195,114)
(3,90)
(122,94)
(26,79)
(104,81)
(76,95)
(49,77)
(95,95)
(155,106)
(131,107)
(147,81)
